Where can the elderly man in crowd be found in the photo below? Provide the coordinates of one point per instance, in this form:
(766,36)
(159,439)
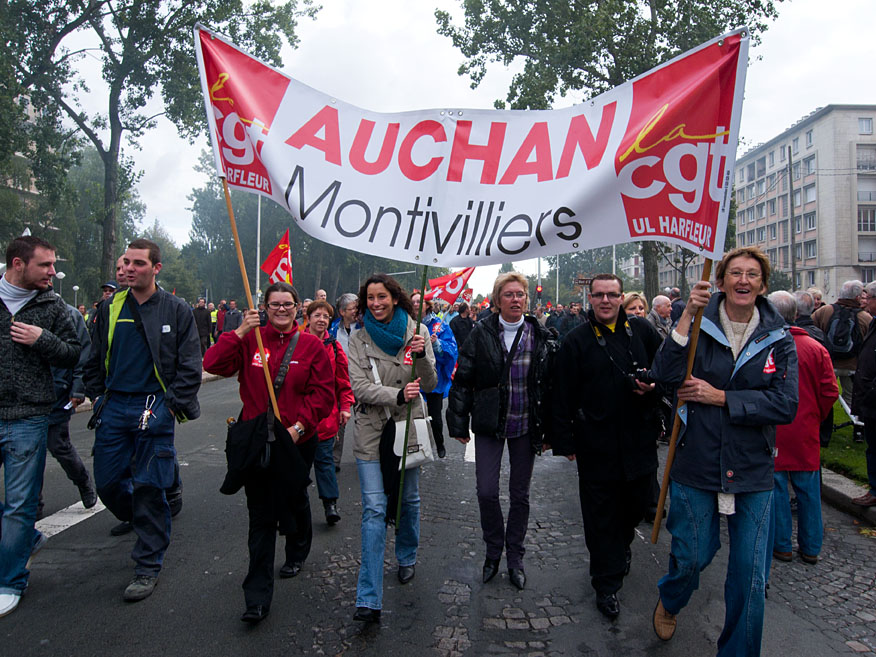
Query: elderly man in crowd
(661,309)
(864,400)
(798,446)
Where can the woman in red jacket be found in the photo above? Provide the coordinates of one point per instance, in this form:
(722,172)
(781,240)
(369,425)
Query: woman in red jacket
(319,316)
(305,398)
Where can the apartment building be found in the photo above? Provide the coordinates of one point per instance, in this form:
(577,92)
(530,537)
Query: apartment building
(825,165)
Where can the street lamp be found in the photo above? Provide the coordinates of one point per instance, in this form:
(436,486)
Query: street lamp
(60,276)
(76,296)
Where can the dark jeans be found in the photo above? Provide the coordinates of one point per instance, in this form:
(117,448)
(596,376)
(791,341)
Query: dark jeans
(435,405)
(59,446)
(611,510)
(258,585)
(204,341)
(488,461)
(131,470)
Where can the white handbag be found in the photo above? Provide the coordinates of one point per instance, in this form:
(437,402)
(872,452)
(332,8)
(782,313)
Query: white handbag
(421,443)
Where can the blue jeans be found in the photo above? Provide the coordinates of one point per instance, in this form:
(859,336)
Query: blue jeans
(810,531)
(694,524)
(131,470)
(369,590)
(324,470)
(23,456)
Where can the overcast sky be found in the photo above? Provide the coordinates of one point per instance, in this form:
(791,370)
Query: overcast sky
(385,55)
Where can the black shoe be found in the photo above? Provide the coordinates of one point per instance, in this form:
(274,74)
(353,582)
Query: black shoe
(629,555)
(491,567)
(366,615)
(122,528)
(517,577)
(442,452)
(290,569)
(608,605)
(255,614)
(331,512)
(337,469)
(89,497)
(405,574)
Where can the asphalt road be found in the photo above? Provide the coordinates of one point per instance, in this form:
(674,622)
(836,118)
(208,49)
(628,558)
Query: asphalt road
(74,603)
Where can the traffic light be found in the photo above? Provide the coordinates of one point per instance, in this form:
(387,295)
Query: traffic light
(538,292)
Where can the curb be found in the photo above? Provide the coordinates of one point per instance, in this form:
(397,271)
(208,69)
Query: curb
(838,491)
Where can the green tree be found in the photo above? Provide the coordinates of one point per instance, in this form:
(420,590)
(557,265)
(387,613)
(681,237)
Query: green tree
(145,48)
(586,47)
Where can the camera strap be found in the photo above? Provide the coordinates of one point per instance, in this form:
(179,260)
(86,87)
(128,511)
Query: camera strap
(600,340)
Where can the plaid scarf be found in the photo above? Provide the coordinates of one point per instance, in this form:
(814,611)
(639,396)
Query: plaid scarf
(517,420)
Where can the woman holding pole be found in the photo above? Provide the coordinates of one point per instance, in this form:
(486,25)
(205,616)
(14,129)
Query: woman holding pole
(743,383)
(391,361)
(305,395)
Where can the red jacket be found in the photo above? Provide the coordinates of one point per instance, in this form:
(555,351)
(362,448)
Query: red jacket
(797,443)
(344,399)
(307,395)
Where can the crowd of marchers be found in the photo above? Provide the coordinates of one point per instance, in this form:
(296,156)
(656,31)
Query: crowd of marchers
(600,385)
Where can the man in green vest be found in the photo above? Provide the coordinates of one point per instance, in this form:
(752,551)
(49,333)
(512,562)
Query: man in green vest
(143,372)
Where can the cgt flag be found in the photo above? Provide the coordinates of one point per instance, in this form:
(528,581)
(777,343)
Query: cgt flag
(449,287)
(278,264)
(651,159)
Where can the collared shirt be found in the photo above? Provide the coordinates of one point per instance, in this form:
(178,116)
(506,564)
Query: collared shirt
(131,368)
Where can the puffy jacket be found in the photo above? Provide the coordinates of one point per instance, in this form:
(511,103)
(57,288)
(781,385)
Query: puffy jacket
(343,393)
(864,392)
(798,447)
(373,400)
(597,415)
(173,342)
(479,368)
(308,393)
(445,352)
(26,384)
(730,448)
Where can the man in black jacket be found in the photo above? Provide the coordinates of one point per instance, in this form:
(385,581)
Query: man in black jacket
(462,324)
(864,396)
(143,372)
(606,418)
(204,324)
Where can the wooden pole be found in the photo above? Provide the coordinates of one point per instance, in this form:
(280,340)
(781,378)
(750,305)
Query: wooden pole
(249,300)
(676,425)
(404,455)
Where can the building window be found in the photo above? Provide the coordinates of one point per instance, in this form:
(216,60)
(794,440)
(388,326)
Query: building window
(866,157)
(868,274)
(749,172)
(867,219)
(740,195)
(772,158)
(750,215)
(808,138)
(761,167)
(741,175)
(797,280)
(865,126)
(781,153)
(772,255)
(761,234)
(750,192)
(809,220)
(761,187)
(749,236)
(740,217)
(760,210)
(809,165)
(783,201)
(809,193)
(798,255)
(784,181)
(811,250)
(741,239)
(795,145)
(796,171)
(810,278)
(771,207)
(797,198)
(772,231)
(798,225)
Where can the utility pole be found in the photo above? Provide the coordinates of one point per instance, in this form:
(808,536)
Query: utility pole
(792,248)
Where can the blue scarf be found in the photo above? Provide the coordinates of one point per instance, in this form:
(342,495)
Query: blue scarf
(389,337)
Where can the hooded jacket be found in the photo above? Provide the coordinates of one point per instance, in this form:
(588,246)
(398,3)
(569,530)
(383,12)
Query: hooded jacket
(730,448)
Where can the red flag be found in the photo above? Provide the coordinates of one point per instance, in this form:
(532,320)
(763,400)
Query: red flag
(448,287)
(278,264)
(467,294)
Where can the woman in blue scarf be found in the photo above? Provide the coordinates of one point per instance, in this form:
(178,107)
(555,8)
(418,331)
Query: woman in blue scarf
(381,357)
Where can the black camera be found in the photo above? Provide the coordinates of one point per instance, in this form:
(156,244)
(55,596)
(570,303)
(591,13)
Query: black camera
(263,318)
(641,375)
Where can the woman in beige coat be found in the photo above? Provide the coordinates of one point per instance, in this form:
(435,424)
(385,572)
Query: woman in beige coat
(386,343)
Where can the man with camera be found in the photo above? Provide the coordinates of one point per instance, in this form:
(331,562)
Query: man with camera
(606,418)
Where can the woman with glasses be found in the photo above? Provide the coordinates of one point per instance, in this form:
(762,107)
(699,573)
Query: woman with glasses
(501,388)
(306,396)
(381,362)
(743,383)
(635,305)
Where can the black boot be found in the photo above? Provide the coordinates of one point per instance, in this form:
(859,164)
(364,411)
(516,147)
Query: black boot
(331,512)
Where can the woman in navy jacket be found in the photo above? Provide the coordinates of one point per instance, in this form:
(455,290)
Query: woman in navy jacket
(743,383)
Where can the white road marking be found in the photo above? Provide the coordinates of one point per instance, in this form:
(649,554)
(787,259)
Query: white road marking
(66,518)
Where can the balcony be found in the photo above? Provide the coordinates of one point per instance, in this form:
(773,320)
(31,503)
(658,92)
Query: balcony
(864,256)
(867,196)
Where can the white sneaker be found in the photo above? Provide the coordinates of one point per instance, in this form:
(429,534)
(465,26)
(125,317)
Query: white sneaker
(8,602)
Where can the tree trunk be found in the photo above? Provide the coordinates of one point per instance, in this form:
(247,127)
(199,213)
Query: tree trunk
(650,260)
(110,159)
(333,288)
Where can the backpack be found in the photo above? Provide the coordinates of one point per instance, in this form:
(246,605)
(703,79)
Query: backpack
(843,338)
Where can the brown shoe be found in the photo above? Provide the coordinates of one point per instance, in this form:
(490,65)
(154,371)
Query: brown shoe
(782,556)
(664,622)
(865,500)
(808,558)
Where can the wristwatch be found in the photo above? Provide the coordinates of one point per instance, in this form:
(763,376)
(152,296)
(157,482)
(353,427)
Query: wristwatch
(299,430)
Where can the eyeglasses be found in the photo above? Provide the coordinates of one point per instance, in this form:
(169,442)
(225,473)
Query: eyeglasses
(285,305)
(513,295)
(750,275)
(605,295)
